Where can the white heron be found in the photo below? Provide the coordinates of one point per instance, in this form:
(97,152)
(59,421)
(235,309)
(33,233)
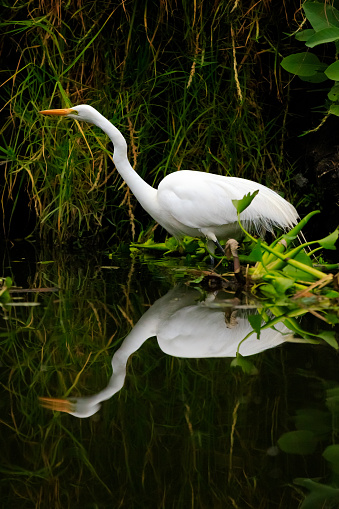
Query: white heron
(193,203)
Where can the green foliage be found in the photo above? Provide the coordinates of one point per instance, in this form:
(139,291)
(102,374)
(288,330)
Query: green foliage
(324,19)
(245,364)
(181,83)
(298,442)
(6,284)
(242,204)
(314,427)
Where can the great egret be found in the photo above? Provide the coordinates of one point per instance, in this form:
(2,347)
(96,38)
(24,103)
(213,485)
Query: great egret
(193,203)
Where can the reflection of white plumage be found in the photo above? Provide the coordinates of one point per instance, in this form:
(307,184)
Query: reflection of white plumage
(193,203)
(184,328)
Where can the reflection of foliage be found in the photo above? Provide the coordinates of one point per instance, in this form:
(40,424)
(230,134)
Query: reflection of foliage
(315,426)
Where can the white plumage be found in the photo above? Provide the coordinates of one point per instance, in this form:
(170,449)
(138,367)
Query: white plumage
(193,203)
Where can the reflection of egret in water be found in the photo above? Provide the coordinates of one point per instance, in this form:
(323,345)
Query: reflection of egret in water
(186,328)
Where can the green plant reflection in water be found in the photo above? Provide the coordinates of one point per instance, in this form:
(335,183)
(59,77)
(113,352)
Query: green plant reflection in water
(314,427)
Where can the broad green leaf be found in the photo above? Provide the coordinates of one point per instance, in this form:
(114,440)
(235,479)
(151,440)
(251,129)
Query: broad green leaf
(329,241)
(332,71)
(298,442)
(331,454)
(321,15)
(329,337)
(255,321)
(245,201)
(256,253)
(246,365)
(302,64)
(333,94)
(304,35)
(319,77)
(323,36)
(320,494)
(334,109)
(283,283)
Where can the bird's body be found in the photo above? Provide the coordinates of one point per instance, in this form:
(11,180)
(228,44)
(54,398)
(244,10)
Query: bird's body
(193,203)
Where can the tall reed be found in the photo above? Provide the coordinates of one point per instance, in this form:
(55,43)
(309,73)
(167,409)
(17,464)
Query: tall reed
(191,85)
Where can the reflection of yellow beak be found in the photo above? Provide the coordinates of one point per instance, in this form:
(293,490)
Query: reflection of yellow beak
(61,112)
(59,405)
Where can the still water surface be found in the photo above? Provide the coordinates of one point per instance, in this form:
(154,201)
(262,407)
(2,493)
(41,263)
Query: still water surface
(118,391)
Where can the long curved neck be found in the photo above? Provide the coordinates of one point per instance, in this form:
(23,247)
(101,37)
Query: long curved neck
(144,193)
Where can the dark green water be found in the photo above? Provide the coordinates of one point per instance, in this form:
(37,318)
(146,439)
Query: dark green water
(172,425)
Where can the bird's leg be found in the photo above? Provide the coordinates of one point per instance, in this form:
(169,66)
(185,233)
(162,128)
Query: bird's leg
(211,245)
(219,246)
(231,250)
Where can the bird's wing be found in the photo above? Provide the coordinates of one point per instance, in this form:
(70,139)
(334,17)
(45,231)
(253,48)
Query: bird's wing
(196,199)
(201,200)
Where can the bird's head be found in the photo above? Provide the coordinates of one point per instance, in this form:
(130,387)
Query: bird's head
(81,112)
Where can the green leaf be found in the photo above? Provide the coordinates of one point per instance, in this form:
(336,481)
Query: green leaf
(8,282)
(302,64)
(298,273)
(4,296)
(321,15)
(329,241)
(255,321)
(304,35)
(298,442)
(283,283)
(171,244)
(331,454)
(323,36)
(320,494)
(331,318)
(268,289)
(320,77)
(242,204)
(333,94)
(332,71)
(329,337)
(334,109)
(246,365)
(256,253)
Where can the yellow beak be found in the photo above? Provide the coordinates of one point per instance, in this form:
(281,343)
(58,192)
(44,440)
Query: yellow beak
(61,112)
